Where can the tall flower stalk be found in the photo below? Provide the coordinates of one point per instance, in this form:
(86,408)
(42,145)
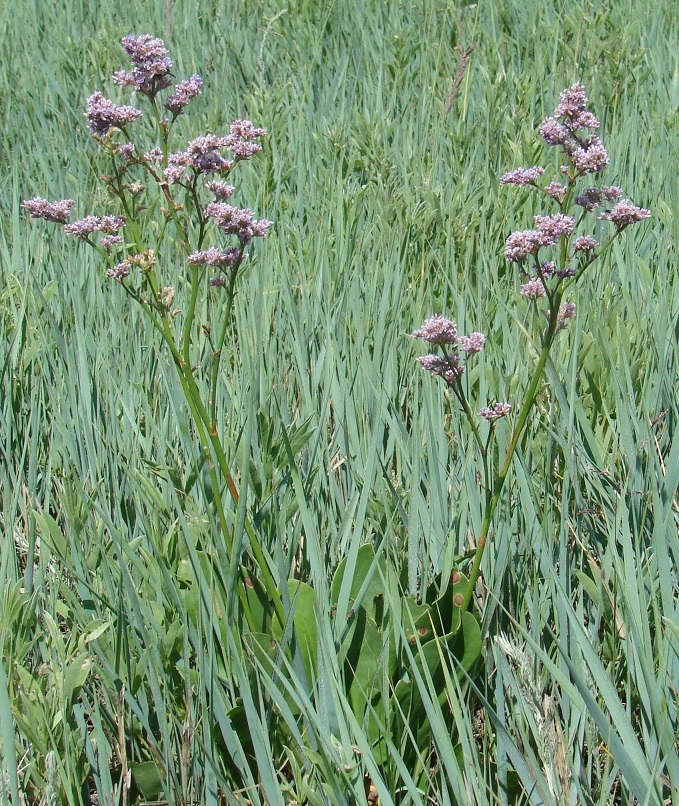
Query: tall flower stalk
(143,260)
(551,257)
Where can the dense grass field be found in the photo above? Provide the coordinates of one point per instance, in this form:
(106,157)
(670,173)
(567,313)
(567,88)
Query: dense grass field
(128,671)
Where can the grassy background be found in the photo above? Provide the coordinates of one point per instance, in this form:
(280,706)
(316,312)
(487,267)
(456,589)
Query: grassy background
(387,209)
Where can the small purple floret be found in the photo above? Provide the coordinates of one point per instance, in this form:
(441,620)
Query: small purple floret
(215,257)
(522,176)
(473,343)
(437,330)
(103,115)
(56,212)
(183,94)
(625,213)
(495,411)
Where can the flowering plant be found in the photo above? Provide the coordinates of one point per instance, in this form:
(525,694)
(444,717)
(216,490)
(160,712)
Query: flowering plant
(141,261)
(546,280)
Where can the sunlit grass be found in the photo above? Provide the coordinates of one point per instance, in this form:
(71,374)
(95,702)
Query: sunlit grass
(386,210)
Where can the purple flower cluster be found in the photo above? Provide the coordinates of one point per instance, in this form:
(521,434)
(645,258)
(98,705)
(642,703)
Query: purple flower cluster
(570,128)
(495,411)
(149,75)
(238,221)
(549,228)
(216,257)
(92,223)
(443,332)
(151,65)
(571,117)
(522,176)
(221,190)
(625,213)
(56,212)
(437,330)
(103,115)
(183,94)
(534,289)
(202,154)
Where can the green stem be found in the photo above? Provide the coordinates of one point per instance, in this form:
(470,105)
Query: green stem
(498,483)
(217,354)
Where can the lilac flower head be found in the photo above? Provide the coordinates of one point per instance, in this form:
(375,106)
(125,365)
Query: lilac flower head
(625,213)
(150,65)
(84,226)
(553,132)
(56,212)
(585,244)
(612,193)
(437,330)
(202,154)
(522,176)
(571,102)
(183,94)
(523,243)
(222,190)
(591,158)
(215,257)
(534,289)
(237,221)
(473,343)
(245,130)
(154,155)
(495,411)
(243,149)
(120,272)
(584,120)
(553,227)
(174,174)
(103,115)
(92,223)
(556,191)
(125,151)
(109,241)
(217,282)
(447,368)
(566,311)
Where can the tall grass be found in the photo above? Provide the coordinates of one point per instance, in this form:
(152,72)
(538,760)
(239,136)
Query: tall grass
(114,656)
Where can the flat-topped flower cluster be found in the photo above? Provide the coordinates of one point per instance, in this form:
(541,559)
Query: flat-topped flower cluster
(150,75)
(571,129)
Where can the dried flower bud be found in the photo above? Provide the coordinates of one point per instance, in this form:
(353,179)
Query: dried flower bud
(145,260)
